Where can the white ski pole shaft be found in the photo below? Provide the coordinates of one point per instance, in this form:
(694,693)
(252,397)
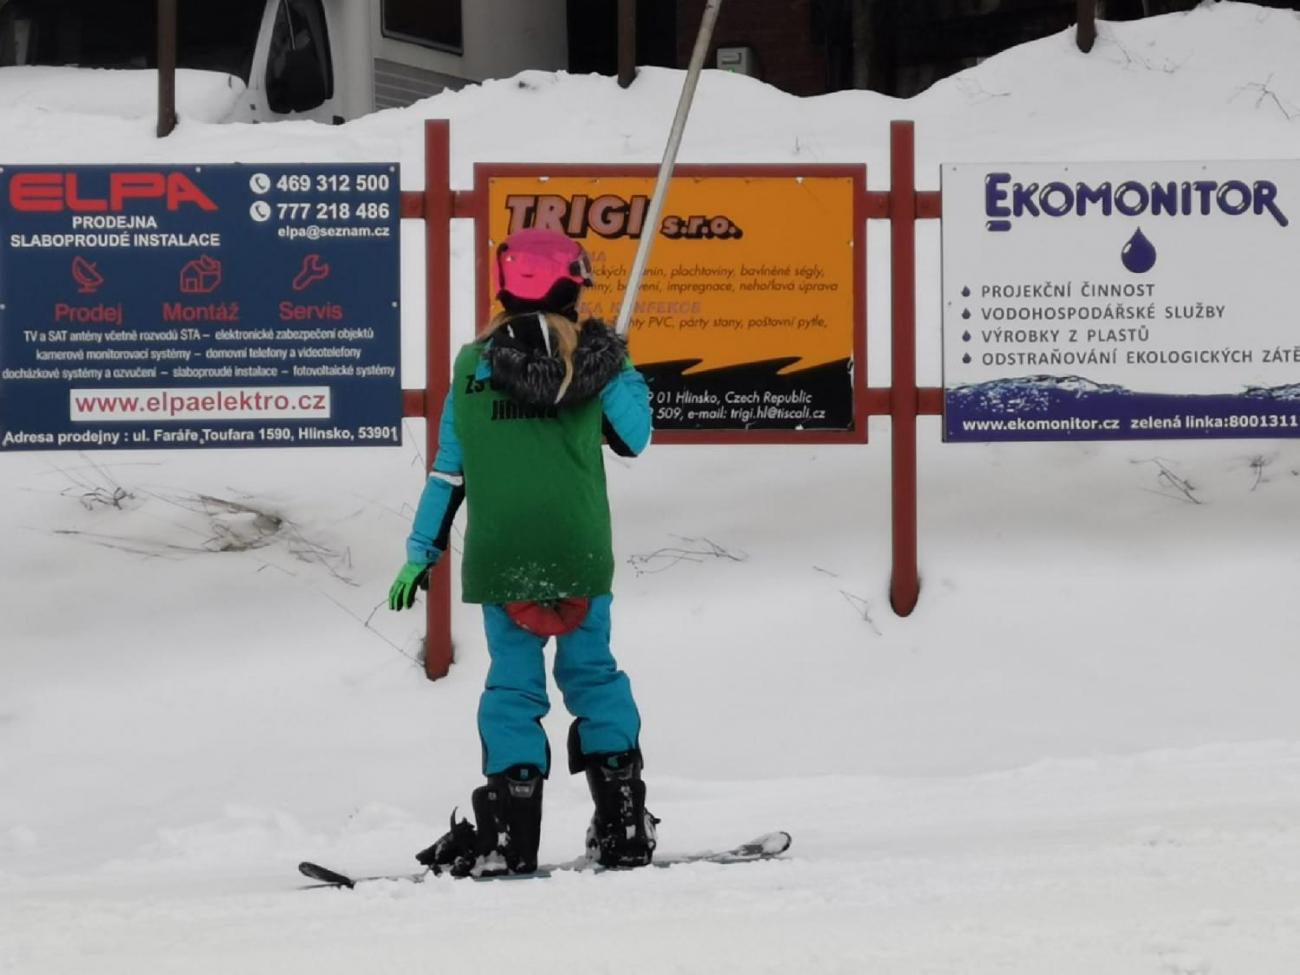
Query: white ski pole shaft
(651,223)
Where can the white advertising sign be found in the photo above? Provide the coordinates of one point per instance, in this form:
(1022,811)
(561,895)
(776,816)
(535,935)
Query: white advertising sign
(1121,300)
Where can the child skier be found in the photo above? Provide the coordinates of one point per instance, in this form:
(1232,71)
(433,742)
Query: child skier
(520,439)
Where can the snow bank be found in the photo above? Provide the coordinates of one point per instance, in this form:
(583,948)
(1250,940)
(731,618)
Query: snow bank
(201,96)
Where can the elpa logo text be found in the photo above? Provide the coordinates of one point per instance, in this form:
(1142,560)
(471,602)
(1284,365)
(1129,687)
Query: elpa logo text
(55,192)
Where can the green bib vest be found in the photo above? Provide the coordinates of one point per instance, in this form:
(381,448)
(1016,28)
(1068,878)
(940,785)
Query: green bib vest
(538,524)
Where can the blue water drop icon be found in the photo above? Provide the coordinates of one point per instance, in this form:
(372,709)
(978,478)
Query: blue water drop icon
(966,358)
(1139,254)
(965,292)
(965,336)
(966,313)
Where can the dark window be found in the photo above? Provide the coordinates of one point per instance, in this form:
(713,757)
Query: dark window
(593,35)
(434,23)
(123,33)
(299,70)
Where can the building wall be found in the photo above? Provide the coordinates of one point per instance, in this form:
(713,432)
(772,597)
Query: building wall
(781,31)
(899,47)
(501,38)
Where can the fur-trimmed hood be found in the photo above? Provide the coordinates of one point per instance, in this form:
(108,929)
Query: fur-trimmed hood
(527,366)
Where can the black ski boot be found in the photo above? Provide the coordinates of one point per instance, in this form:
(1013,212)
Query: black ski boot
(508,811)
(622,832)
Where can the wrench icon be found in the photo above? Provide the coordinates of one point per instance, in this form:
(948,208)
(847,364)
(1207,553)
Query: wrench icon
(313,270)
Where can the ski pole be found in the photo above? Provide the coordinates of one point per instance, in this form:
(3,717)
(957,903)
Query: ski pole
(666,166)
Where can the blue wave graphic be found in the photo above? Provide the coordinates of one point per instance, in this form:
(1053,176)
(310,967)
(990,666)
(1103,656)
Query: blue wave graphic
(1076,408)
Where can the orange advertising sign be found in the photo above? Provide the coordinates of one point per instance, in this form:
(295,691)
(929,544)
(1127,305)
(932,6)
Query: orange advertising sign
(750,313)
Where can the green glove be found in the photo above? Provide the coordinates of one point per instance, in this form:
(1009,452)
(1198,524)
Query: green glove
(413,575)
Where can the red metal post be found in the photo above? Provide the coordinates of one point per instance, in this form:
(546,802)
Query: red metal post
(437,280)
(904,585)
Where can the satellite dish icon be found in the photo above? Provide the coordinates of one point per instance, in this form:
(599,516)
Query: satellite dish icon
(86,275)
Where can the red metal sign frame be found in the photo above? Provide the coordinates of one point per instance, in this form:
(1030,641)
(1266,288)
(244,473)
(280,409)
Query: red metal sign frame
(902,205)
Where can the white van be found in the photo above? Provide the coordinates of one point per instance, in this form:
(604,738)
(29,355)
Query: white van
(329,60)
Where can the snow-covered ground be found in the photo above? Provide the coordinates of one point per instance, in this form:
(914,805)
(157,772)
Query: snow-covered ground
(204,96)
(1080,755)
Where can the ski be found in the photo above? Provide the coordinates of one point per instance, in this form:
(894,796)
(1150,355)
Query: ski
(764,847)
(326,877)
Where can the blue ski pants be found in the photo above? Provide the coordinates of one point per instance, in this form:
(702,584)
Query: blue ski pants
(514,701)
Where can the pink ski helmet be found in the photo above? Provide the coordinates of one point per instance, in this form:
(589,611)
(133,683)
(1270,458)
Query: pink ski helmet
(531,261)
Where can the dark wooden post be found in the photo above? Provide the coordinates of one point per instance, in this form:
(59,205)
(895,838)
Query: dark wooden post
(166,67)
(626,42)
(1086,31)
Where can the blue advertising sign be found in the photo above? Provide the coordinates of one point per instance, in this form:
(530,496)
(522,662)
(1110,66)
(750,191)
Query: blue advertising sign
(1120,301)
(199,306)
